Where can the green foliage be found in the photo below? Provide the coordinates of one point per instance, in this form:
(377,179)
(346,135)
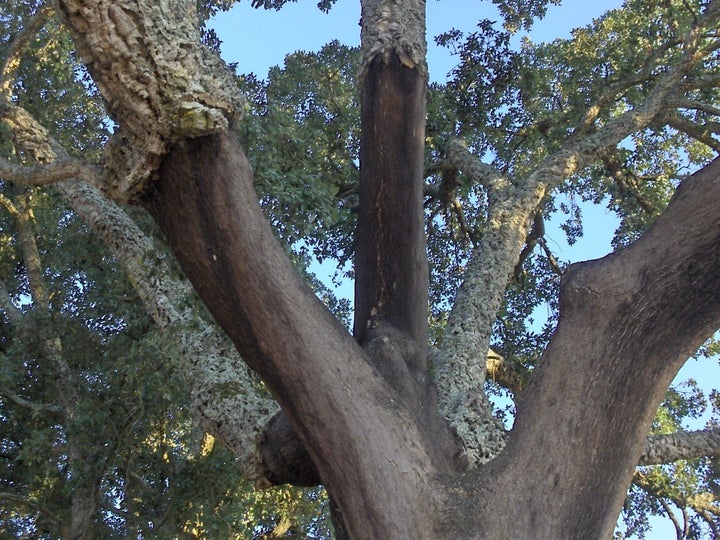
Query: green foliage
(130,431)
(323,5)
(522,13)
(303,142)
(515,108)
(91,403)
(684,490)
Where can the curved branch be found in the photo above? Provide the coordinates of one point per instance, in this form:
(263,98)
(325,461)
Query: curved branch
(636,315)
(35,407)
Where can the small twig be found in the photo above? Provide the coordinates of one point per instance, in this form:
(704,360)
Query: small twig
(26,501)
(24,403)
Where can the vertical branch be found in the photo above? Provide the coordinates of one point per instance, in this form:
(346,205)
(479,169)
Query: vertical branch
(391,263)
(30,252)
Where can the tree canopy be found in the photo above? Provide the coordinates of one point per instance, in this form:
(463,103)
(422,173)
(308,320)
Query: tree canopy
(137,286)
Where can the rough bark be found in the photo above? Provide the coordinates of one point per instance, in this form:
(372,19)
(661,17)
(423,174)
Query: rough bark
(225,398)
(680,445)
(144,58)
(461,366)
(628,322)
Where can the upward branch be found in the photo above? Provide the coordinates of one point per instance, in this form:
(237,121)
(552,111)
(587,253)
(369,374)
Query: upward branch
(512,203)
(391,276)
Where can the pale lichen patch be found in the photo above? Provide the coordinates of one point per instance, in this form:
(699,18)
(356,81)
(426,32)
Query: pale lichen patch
(394,26)
(161,84)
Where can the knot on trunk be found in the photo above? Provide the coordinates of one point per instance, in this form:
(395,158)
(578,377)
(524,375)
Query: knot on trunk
(393,353)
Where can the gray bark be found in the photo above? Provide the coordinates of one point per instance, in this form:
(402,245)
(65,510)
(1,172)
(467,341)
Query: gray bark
(661,449)
(225,398)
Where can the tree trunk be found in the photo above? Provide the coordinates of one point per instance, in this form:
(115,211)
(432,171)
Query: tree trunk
(352,423)
(627,321)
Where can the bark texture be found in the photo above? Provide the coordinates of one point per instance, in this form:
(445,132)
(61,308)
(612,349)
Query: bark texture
(144,58)
(354,427)
(391,269)
(225,397)
(512,204)
(628,322)
(661,449)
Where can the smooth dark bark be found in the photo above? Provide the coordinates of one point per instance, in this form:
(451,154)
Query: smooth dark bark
(285,459)
(391,269)
(371,453)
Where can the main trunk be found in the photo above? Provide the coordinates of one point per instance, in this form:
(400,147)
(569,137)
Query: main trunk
(371,454)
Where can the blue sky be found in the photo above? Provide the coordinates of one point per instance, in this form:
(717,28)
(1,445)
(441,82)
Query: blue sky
(258,40)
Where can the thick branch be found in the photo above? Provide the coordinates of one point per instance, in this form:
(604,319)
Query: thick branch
(41,175)
(461,369)
(224,394)
(391,272)
(680,445)
(628,322)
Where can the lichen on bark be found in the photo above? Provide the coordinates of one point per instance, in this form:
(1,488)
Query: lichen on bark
(160,83)
(394,26)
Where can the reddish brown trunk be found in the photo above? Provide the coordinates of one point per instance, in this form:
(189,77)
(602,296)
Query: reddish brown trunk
(351,422)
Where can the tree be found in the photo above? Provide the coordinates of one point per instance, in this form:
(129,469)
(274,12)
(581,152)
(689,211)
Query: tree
(382,408)
(96,438)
